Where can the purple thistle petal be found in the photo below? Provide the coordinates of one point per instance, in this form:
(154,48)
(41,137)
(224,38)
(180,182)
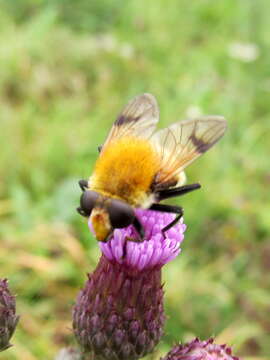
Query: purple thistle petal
(106,251)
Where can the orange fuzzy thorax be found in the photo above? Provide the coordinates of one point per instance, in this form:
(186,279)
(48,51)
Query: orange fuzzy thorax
(126,169)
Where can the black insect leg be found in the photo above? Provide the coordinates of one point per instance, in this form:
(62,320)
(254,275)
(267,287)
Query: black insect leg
(83,184)
(99,148)
(168,209)
(139,228)
(179,191)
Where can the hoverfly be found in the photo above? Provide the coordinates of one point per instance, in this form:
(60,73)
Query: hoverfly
(138,168)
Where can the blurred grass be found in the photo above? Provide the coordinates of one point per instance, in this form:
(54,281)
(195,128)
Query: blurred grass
(66,70)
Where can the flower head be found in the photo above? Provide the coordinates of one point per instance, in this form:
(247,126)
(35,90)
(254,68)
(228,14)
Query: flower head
(200,350)
(8,317)
(119,314)
(155,251)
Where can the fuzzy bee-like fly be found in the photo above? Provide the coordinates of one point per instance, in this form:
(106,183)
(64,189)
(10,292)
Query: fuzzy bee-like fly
(138,167)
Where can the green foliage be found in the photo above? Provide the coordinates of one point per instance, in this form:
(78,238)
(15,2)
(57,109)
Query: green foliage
(93,16)
(66,69)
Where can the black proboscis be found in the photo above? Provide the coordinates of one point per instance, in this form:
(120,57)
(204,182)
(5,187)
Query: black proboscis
(139,228)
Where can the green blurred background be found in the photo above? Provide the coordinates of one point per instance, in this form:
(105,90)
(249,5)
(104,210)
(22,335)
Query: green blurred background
(66,70)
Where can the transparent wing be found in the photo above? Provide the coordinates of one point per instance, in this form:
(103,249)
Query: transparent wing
(138,118)
(181,143)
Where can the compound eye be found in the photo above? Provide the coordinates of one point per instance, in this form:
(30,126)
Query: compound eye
(88,201)
(121,214)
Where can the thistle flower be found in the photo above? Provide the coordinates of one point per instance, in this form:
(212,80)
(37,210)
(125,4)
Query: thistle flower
(156,251)
(200,350)
(119,313)
(8,317)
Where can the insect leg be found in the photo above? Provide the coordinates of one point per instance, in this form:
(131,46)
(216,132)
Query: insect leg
(179,191)
(139,228)
(168,209)
(83,184)
(99,148)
